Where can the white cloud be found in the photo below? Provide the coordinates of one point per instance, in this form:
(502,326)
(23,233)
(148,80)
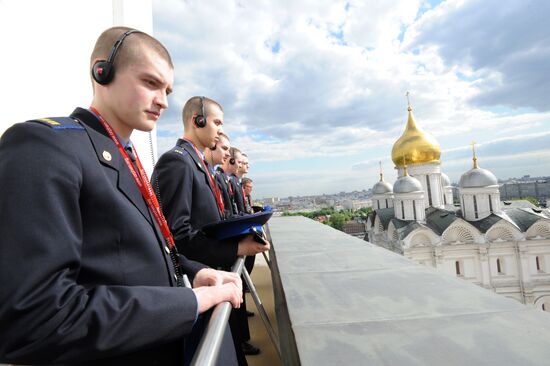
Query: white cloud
(315,79)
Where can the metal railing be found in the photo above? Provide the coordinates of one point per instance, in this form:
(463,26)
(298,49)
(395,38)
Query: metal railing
(209,347)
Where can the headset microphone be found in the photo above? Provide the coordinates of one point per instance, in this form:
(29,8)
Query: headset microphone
(103,71)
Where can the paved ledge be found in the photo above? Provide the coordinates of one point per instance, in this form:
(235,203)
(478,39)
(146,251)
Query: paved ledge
(340,300)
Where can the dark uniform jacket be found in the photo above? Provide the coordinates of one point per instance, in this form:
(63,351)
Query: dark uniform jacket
(237,193)
(181,182)
(86,276)
(223,184)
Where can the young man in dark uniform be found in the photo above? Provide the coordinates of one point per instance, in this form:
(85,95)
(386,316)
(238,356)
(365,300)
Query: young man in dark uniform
(189,196)
(216,158)
(89,272)
(234,170)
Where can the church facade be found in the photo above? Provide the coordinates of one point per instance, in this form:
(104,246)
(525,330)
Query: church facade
(502,246)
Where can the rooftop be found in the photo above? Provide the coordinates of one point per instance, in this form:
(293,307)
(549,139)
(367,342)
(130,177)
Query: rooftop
(342,301)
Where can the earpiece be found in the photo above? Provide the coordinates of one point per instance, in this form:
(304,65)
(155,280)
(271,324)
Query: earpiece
(103,71)
(200,120)
(232,159)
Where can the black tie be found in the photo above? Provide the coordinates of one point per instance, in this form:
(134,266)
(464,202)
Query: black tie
(130,153)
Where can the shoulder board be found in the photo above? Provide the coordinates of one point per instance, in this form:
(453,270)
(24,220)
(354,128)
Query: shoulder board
(179,151)
(60,123)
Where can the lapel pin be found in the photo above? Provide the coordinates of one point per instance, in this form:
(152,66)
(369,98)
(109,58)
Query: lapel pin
(107,155)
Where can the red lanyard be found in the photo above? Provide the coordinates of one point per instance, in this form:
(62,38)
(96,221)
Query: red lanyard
(244,196)
(217,194)
(140,177)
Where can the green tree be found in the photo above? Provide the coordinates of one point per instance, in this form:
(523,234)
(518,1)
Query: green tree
(531,199)
(337,221)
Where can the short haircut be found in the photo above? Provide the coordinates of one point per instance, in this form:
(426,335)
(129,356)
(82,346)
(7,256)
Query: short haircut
(193,107)
(245,181)
(233,151)
(224,135)
(130,49)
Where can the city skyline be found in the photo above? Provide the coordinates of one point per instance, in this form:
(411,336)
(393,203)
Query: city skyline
(314,92)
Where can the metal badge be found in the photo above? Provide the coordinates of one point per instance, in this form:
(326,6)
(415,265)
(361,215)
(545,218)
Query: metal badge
(107,155)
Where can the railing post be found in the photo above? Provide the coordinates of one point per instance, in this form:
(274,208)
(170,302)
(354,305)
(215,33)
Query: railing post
(210,344)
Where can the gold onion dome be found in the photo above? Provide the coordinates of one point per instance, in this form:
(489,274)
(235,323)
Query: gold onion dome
(415,146)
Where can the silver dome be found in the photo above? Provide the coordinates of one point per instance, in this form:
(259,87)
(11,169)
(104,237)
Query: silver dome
(445,181)
(381,187)
(477,177)
(407,184)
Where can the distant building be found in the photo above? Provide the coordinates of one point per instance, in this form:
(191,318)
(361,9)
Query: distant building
(354,228)
(502,246)
(540,189)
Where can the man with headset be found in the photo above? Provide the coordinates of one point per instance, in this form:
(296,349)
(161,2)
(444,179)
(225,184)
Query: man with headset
(232,169)
(90,274)
(217,157)
(190,198)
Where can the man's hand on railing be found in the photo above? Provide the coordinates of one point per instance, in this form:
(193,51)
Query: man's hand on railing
(249,246)
(212,277)
(209,296)
(213,287)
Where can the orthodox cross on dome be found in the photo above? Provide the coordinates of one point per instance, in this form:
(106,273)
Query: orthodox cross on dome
(381,172)
(408,101)
(474,154)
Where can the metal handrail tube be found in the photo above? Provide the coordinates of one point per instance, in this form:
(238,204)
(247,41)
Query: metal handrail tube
(262,312)
(211,341)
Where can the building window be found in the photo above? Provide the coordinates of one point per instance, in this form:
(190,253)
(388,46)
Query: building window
(544,307)
(414,210)
(538,261)
(378,203)
(500,266)
(458,269)
(429,190)
(475,207)
(387,203)
(490,204)
(444,198)
(402,210)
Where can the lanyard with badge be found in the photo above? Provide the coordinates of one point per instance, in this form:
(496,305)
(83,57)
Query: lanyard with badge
(217,194)
(140,177)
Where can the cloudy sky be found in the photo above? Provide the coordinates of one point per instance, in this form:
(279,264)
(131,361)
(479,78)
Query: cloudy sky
(314,91)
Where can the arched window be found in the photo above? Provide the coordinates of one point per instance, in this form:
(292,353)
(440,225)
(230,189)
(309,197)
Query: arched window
(475,207)
(500,266)
(429,190)
(458,269)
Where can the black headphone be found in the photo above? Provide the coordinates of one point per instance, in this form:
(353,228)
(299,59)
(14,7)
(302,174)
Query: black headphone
(200,120)
(232,159)
(103,71)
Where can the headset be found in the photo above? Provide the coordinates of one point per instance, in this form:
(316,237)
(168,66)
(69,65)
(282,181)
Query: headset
(232,159)
(200,120)
(103,71)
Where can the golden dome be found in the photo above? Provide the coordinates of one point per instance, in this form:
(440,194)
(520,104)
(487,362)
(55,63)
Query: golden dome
(415,146)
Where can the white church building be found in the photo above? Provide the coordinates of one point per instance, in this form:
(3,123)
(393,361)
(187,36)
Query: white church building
(502,246)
